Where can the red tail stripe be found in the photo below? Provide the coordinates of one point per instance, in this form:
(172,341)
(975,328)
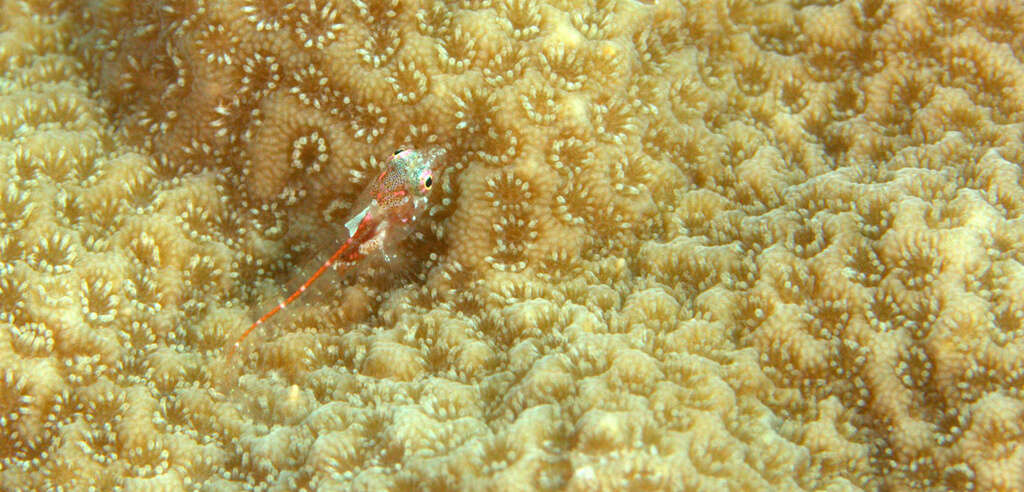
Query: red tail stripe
(365,229)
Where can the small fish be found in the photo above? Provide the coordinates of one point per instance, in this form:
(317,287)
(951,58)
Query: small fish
(382,217)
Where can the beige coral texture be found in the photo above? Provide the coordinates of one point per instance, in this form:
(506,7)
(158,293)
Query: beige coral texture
(696,245)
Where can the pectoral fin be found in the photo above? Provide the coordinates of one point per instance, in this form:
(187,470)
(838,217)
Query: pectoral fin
(353,224)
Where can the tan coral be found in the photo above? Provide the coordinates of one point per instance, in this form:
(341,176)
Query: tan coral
(733,245)
(997,461)
(294,143)
(391,360)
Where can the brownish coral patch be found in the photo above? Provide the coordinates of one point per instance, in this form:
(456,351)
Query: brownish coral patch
(678,245)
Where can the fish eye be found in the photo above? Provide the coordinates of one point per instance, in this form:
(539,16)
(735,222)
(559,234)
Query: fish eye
(427,182)
(399,151)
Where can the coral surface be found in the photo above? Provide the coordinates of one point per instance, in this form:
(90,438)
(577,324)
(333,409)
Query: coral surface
(706,244)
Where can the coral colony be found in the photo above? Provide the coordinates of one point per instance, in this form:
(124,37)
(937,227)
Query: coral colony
(679,245)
